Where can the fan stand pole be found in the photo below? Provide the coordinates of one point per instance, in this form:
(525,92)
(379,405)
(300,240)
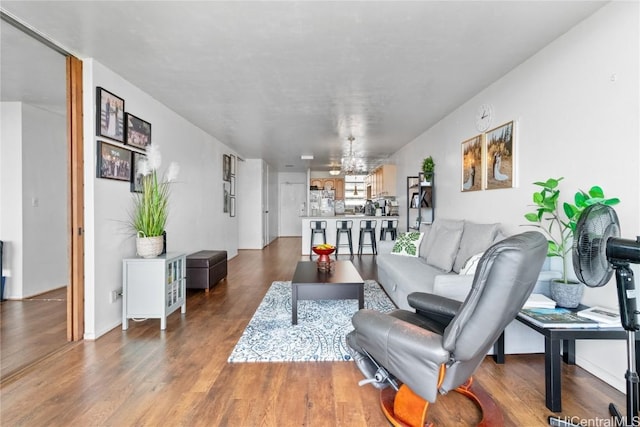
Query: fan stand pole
(628,317)
(632,385)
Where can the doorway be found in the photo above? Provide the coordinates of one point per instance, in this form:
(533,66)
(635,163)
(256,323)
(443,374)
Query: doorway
(42,86)
(293,196)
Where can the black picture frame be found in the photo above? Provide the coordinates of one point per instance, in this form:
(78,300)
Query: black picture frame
(225,197)
(109,115)
(226,167)
(138,132)
(113,162)
(136,179)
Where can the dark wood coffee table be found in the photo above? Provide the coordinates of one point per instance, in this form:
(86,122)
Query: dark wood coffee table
(342,282)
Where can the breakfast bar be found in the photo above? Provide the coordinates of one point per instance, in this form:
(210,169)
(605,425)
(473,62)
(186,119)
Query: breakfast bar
(331,230)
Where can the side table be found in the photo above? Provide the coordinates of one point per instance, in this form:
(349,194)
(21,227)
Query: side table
(153,287)
(555,341)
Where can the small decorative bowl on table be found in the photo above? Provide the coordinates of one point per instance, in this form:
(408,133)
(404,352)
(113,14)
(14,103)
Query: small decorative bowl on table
(324,260)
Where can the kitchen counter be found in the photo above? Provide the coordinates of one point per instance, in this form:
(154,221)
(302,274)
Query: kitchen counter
(331,231)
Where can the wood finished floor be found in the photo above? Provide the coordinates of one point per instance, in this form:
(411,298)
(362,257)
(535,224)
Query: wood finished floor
(31,329)
(180,377)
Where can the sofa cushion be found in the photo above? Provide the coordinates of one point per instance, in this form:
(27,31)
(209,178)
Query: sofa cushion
(401,275)
(443,242)
(408,244)
(425,228)
(471,264)
(475,238)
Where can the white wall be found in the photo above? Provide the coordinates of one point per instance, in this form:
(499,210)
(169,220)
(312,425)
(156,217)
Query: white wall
(196,220)
(11,196)
(45,201)
(33,213)
(576,104)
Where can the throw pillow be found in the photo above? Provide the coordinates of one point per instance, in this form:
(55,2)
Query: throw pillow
(471,264)
(407,244)
(443,243)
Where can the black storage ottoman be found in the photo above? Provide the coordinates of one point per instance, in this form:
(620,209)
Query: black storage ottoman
(205,269)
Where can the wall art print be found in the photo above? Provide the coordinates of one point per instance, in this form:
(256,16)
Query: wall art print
(109,115)
(113,162)
(472,164)
(225,197)
(138,132)
(226,167)
(136,178)
(500,164)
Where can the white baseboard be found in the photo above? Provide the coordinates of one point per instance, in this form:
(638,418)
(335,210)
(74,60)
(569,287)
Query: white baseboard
(610,378)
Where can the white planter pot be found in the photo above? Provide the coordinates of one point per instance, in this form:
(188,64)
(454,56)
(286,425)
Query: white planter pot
(149,247)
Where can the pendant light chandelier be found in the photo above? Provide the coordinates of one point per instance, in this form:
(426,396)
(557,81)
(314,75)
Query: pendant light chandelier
(350,163)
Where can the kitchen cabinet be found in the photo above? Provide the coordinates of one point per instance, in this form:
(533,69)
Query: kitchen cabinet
(336,184)
(339,188)
(316,182)
(382,182)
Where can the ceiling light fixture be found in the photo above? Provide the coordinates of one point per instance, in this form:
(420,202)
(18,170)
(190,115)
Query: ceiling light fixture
(334,172)
(350,163)
(306,157)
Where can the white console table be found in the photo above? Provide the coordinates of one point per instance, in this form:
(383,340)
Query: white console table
(153,287)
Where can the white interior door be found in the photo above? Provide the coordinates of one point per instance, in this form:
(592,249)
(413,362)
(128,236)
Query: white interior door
(293,197)
(265,204)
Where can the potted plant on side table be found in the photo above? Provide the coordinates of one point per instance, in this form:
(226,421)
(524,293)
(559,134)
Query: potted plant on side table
(566,292)
(151,206)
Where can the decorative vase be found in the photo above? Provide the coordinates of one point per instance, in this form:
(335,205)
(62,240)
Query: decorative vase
(567,295)
(324,260)
(149,247)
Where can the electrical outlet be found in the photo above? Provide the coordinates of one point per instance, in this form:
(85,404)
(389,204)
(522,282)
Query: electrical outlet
(113,296)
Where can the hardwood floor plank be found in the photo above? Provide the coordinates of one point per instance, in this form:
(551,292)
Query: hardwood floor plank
(31,329)
(180,377)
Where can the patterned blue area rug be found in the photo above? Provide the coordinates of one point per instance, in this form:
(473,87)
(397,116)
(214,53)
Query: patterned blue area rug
(319,335)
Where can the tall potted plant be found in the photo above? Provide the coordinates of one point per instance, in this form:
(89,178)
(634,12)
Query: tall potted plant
(560,232)
(151,206)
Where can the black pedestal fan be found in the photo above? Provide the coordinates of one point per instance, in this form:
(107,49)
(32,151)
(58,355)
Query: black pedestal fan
(597,252)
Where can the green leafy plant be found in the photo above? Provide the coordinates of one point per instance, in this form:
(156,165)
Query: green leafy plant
(547,216)
(428,166)
(151,206)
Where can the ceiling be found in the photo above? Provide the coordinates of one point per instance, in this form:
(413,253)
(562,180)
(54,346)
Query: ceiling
(276,80)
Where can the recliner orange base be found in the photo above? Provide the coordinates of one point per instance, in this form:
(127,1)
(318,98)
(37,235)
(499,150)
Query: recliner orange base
(404,408)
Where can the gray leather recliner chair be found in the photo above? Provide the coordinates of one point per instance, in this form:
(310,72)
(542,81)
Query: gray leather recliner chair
(451,338)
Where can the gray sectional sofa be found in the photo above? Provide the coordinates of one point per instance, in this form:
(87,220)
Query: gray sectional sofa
(447,245)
